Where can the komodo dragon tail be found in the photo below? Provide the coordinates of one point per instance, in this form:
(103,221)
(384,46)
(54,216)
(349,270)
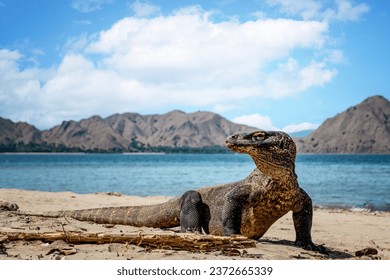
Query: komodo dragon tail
(162,215)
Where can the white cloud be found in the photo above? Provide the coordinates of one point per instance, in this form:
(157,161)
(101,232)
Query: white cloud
(256,120)
(265,122)
(187,51)
(183,59)
(342,10)
(76,44)
(315,74)
(346,11)
(144,9)
(7,56)
(308,9)
(290,78)
(335,56)
(87,6)
(291,128)
(190,34)
(260,15)
(78,87)
(20,89)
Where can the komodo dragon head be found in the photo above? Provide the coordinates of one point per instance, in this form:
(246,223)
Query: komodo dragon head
(273,152)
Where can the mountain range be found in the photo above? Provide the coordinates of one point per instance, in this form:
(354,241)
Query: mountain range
(364,128)
(129,132)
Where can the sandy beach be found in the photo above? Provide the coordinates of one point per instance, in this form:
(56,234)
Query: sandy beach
(342,232)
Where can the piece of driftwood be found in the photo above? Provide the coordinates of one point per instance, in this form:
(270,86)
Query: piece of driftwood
(174,241)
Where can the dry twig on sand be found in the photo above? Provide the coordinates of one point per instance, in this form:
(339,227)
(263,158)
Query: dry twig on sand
(175,241)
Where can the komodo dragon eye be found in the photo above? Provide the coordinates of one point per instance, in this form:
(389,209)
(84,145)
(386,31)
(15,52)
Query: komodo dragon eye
(259,136)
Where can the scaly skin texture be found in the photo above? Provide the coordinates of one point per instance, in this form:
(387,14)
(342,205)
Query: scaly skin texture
(248,207)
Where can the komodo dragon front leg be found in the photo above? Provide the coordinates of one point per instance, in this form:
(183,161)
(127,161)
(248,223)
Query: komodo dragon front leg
(194,214)
(302,217)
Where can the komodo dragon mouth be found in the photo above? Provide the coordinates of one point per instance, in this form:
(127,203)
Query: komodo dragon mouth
(256,139)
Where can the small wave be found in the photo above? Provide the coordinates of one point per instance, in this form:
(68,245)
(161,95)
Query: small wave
(364,208)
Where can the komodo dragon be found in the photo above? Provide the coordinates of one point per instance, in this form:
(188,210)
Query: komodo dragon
(248,207)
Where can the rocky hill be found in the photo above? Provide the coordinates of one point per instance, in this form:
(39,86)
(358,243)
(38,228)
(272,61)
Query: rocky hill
(129,132)
(18,136)
(364,128)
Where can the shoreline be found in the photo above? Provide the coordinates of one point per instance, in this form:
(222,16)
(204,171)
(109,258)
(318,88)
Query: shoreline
(342,232)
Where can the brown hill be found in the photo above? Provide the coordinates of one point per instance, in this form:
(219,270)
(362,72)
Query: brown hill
(18,136)
(175,129)
(127,132)
(364,128)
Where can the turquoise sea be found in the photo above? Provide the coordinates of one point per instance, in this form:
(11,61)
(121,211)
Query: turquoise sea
(342,181)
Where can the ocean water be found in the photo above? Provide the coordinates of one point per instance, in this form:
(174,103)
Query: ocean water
(346,181)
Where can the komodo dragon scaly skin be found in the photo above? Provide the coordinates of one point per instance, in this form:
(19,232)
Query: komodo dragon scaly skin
(248,207)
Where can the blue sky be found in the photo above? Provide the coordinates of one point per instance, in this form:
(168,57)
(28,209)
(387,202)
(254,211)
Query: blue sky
(273,64)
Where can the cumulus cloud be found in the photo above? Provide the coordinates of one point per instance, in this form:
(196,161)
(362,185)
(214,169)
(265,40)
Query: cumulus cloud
(20,89)
(265,122)
(290,78)
(181,59)
(188,52)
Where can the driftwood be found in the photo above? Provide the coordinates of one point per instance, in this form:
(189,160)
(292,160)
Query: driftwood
(174,241)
